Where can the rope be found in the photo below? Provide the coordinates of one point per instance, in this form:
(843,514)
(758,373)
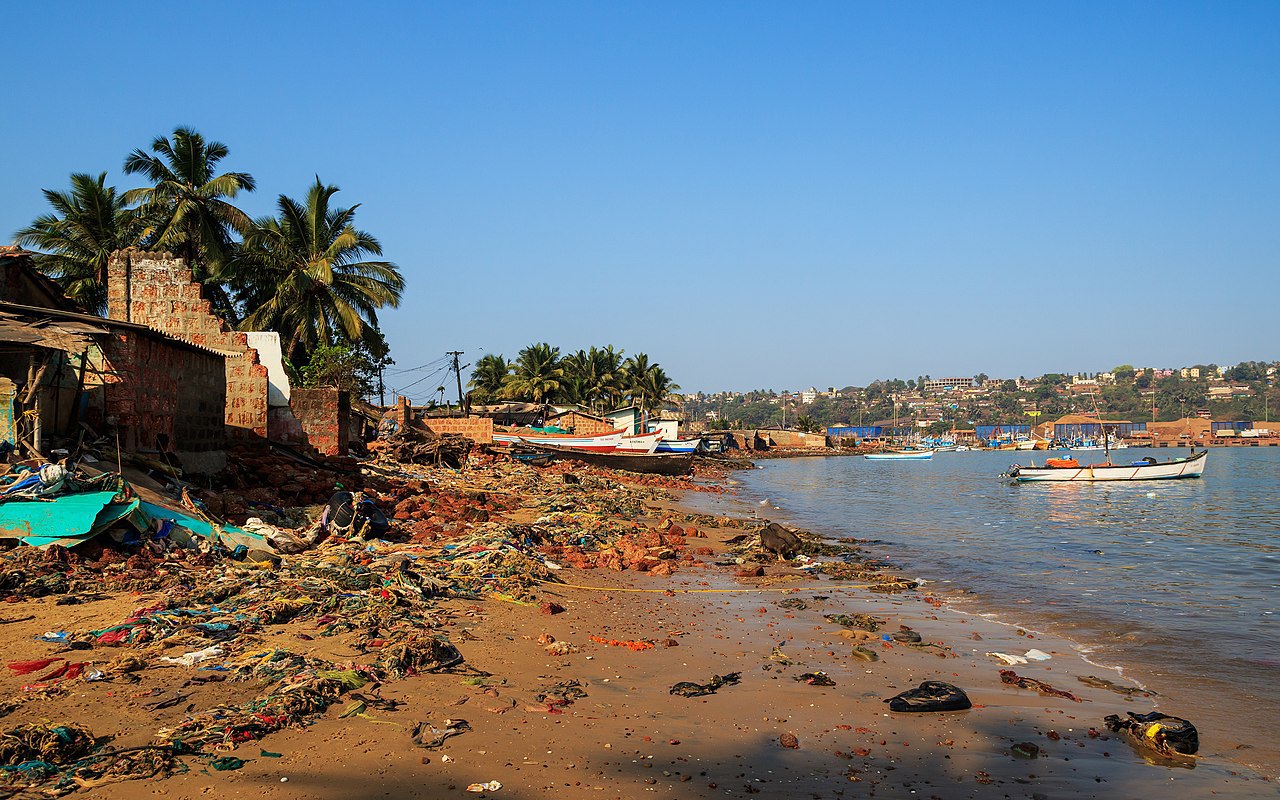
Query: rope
(825,588)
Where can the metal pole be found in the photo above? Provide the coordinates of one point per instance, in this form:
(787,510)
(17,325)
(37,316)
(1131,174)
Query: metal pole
(457,372)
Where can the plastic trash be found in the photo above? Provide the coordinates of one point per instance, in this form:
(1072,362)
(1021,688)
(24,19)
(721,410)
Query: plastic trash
(1008,659)
(490,786)
(1163,733)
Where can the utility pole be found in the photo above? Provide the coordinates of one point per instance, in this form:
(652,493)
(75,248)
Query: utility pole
(457,373)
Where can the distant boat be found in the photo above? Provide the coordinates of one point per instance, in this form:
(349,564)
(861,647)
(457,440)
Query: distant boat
(601,443)
(679,445)
(1148,469)
(910,455)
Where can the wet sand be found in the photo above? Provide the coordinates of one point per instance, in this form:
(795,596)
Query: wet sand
(628,737)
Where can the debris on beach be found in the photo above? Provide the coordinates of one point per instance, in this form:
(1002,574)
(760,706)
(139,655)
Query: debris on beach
(930,696)
(1167,735)
(1112,686)
(691,689)
(864,622)
(1014,679)
(816,679)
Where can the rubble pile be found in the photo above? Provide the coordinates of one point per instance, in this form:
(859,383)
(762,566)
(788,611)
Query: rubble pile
(415,444)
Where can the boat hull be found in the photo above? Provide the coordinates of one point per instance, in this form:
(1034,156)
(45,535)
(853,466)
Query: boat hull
(643,443)
(655,464)
(920,456)
(603,443)
(1190,467)
(679,445)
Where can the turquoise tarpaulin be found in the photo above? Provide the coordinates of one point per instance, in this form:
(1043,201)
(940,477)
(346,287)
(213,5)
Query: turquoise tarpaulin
(67,520)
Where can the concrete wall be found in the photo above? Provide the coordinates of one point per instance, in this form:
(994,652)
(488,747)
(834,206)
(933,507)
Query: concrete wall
(167,397)
(477,429)
(156,289)
(325,417)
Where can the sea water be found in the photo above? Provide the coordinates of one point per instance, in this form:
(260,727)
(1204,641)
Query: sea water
(1176,582)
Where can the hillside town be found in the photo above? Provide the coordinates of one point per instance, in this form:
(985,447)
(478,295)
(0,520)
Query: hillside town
(1202,401)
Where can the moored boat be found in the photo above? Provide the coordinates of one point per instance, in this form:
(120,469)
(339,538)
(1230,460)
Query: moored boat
(679,445)
(904,455)
(1148,469)
(601,443)
(644,443)
(653,464)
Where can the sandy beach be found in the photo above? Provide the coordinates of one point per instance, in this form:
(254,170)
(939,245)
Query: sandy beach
(600,720)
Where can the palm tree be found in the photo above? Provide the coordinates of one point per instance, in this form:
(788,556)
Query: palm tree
(86,226)
(632,378)
(536,374)
(488,376)
(646,383)
(186,208)
(302,274)
(607,374)
(655,388)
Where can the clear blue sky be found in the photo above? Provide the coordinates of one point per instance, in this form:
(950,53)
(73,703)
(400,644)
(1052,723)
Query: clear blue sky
(755,194)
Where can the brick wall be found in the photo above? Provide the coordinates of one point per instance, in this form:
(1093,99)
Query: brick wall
(477,429)
(156,289)
(582,424)
(165,397)
(325,417)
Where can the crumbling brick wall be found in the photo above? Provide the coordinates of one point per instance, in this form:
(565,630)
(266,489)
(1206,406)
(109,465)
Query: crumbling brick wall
(325,416)
(477,429)
(166,397)
(156,289)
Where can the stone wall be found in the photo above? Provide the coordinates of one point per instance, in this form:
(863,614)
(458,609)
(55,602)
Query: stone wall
(325,416)
(166,397)
(477,429)
(157,290)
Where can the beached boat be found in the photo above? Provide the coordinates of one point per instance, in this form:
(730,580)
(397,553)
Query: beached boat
(679,445)
(1148,469)
(654,464)
(644,443)
(901,455)
(601,443)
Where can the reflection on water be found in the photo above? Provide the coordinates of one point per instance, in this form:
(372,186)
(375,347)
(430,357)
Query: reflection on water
(1146,571)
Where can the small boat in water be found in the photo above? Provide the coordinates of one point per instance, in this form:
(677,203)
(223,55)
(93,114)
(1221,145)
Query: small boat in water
(901,455)
(1148,469)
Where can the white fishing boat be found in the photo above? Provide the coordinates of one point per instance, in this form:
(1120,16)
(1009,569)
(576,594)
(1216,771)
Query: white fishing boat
(901,455)
(600,443)
(1148,469)
(643,443)
(679,445)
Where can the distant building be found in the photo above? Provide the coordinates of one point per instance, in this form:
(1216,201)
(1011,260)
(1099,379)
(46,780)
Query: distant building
(947,384)
(808,396)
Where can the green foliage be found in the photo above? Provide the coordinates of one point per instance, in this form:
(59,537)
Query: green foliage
(342,366)
(488,377)
(304,275)
(597,378)
(186,209)
(86,226)
(535,375)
